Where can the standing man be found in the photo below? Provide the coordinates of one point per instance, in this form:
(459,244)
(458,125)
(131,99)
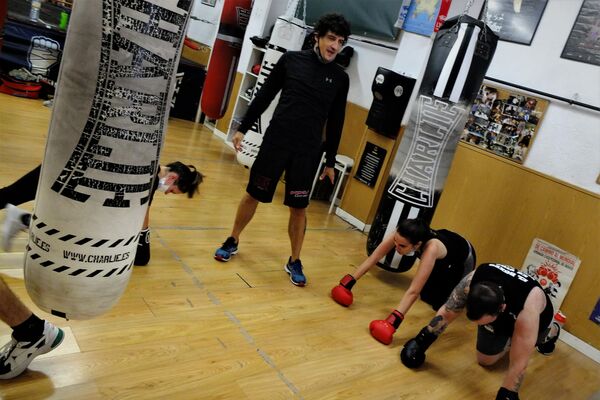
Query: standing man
(513,314)
(313,91)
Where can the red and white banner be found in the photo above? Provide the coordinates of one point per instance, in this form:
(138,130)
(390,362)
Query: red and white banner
(552,267)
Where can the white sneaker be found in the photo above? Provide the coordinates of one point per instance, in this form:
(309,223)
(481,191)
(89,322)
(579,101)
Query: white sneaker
(15,356)
(13,224)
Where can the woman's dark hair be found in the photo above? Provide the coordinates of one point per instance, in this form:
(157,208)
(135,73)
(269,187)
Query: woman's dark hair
(415,230)
(335,23)
(484,298)
(189,177)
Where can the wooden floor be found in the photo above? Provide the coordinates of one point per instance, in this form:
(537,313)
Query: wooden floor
(189,327)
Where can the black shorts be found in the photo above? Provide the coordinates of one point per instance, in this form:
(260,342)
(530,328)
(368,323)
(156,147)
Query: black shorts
(491,344)
(270,164)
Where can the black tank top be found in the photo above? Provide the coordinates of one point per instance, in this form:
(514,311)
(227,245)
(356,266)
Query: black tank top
(516,286)
(447,271)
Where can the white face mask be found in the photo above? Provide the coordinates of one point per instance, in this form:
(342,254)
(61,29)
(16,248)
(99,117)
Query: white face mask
(162,185)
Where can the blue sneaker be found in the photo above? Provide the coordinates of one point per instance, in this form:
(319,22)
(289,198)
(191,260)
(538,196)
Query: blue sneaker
(295,271)
(228,249)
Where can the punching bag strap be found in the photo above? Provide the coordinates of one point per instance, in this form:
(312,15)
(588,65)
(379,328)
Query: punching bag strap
(482,18)
(293,9)
(303,11)
(468,6)
(484,8)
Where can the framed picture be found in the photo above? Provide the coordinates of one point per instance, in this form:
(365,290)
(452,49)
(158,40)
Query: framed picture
(515,20)
(583,44)
(504,122)
(210,3)
(422,16)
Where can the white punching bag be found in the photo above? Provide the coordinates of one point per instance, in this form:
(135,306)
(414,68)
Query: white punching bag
(106,132)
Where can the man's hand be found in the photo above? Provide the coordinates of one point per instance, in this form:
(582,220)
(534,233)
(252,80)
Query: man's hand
(237,141)
(328,172)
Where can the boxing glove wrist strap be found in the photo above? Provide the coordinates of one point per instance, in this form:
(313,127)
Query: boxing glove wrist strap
(425,338)
(395,318)
(348,281)
(505,394)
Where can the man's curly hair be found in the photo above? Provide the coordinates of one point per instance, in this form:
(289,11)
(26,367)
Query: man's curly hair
(335,23)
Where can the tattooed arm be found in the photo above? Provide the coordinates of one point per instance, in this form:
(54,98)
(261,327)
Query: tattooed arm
(524,338)
(454,305)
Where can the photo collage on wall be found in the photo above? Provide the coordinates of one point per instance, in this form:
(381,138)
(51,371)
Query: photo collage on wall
(504,122)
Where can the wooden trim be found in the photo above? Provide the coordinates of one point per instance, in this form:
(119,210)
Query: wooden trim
(532,171)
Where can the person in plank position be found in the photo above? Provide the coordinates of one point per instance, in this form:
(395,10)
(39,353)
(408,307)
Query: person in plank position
(513,314)
(445,258)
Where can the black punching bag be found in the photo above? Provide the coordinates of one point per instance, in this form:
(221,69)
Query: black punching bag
(461,53)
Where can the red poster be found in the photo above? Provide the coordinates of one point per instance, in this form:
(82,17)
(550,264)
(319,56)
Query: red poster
(444,7)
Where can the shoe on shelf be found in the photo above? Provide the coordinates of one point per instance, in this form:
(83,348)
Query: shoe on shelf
(295,270)
(228,249)
(13,224)
(16,356)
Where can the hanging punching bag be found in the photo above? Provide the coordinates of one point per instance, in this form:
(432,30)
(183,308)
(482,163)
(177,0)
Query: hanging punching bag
(461,53)
(106,131)
(224,58)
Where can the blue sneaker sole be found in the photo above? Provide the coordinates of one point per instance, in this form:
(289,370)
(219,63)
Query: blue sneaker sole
(285,267)
(225,259)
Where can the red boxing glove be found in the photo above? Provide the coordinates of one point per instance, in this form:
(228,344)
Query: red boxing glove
(341,293)
(383,330)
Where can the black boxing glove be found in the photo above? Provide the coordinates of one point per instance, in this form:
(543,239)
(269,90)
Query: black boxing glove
(413,353)
(142,254)
(505,394)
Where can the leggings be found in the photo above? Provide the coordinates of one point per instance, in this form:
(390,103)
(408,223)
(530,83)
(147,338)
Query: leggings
(22,190)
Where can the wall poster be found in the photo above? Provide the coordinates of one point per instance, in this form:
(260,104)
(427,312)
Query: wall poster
(553,268)
(370,164)
(583,43)
(515,20)
(424,16)
(504,122)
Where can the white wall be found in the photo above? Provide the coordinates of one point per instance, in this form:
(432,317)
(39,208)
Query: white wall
(567,145)
(367,58)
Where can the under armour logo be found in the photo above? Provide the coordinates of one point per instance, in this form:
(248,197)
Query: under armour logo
(328,80)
